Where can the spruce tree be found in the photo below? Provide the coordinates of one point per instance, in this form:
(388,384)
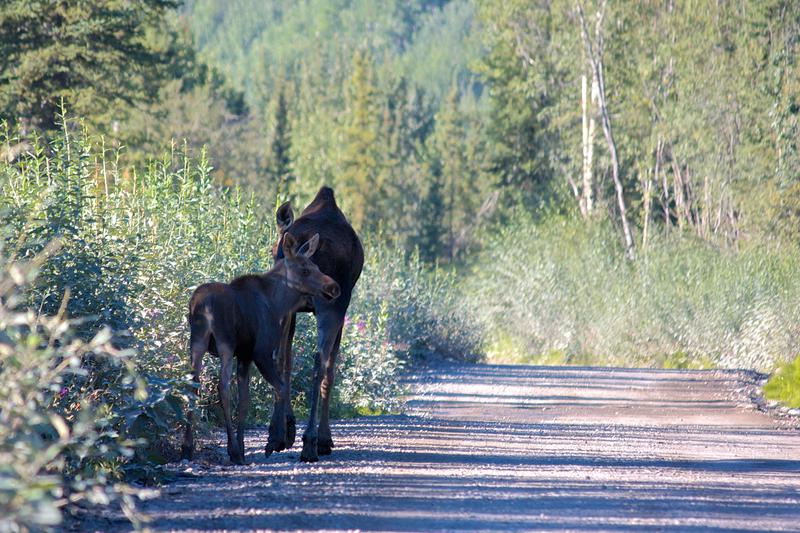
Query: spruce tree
(359,180)
(450,148)
(431,214)
(92,54)
(280,161)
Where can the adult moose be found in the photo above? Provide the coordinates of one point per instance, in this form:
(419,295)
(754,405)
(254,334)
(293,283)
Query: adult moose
(341,256)
(242,319)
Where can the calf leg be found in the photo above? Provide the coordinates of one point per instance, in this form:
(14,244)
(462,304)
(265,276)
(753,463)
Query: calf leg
(328,326)
(291,423)
(285,368)
(199,345)
(266,365)
(325,442)
(226,356)
(243,385)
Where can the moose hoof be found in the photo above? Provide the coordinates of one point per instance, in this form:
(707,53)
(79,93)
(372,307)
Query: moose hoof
(325,446)
(187,452)
(291,430)
(309,453)
(274,446)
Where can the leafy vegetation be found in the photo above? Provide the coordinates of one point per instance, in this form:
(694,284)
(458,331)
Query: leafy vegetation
(784,385)
(47,58)
(543,182)
(559,286)
(67,403)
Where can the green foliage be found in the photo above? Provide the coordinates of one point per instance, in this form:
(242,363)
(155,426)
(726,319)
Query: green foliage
(70,410)
(358,181)
(425,41)
(362,102)
(279,160)
(423,305)
(564,285)
(524,88)
(701,146)
(401,311)
(784,385)
(93,55)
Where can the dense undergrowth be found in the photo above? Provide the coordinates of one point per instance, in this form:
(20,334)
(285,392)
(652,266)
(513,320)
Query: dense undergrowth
(562,288)
(93,337)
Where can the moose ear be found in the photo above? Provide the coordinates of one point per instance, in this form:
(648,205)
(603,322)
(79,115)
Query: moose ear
(289,246)
(308,249)
(284,216)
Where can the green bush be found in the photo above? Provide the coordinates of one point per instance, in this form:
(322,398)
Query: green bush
(562,285)
(69,405)
(425,313)
(401,311)
(784,385)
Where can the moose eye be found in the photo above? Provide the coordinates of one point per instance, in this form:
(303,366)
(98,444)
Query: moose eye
(305,272)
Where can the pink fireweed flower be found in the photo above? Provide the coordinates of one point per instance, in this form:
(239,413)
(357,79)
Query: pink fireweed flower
(63,392)
(361,325)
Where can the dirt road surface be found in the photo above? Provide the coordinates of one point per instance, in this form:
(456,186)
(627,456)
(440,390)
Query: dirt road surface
(485,447)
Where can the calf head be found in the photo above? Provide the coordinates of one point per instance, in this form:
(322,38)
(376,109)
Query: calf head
(302,274)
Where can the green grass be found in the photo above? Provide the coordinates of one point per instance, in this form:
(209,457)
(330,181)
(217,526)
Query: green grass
(562,287)
(784,384)
(686,361)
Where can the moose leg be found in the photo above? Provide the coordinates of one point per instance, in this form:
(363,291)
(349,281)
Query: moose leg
(266,365)
(243,386)
(226,356)
(325,442)
(285,368)
(286,342)
(328,326)
(199,344)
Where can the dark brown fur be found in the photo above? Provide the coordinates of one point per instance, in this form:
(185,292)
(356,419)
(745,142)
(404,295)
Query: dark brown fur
(242,320)
(341,256)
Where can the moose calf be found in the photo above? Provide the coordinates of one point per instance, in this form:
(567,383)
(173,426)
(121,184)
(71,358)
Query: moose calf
(242,319)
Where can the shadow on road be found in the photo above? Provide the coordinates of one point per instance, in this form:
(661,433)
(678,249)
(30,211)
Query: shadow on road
(521,448)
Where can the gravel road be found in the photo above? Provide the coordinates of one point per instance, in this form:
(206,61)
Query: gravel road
(484,447)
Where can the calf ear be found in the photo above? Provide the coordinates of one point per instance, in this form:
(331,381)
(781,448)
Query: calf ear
(289,246)
(284,216)
(308,249)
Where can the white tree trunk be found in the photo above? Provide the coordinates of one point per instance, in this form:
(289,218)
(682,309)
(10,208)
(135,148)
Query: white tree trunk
(587,191)
(596,63)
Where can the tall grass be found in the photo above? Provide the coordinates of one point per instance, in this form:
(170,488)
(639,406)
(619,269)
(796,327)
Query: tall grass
(561,290)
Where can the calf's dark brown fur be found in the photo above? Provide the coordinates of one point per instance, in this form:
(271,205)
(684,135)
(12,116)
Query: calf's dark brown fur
(242,320)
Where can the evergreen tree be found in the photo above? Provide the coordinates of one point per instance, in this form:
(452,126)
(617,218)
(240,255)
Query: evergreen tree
(359,179)
(279,160)
(92,54)
(521,70)
(431,215)
(449,142)
(406,125)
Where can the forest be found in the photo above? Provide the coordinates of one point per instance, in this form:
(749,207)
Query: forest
(538,182)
